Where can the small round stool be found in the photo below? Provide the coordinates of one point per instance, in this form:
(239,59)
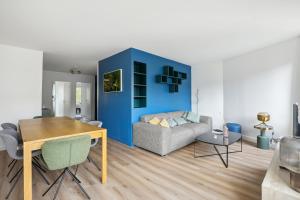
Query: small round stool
(234,127)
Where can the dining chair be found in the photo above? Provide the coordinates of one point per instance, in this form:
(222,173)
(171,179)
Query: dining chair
(9,126)
(46,112)
(13,128)
(63,154)
(15,151)
(94,142)
(37,117)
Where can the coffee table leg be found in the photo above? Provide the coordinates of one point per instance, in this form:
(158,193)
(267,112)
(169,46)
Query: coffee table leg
(241,143)
(220,155)
(227,156)
(194,149)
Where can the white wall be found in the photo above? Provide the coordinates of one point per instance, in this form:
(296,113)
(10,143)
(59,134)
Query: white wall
(49,77)
(267,80)
(20,83)
(208,78)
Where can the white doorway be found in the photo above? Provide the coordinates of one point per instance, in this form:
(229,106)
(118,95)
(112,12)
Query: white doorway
(62,98)
(83,100)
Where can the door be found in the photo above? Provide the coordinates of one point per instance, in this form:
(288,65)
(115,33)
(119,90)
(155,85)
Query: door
(83,99)
(62,99)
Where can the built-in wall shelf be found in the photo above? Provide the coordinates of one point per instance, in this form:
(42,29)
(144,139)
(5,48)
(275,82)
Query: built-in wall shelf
(171,77)
(140,84)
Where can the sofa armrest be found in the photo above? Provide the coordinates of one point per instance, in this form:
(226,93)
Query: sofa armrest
(152,137)
(206,120)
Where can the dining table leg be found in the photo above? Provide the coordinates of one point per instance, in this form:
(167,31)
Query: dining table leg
(104,157)
(27,171)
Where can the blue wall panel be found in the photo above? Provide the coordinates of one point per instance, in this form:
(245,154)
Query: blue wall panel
(158,97)
(115,107)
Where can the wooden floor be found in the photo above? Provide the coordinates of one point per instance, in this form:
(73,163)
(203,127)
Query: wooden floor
(135,174)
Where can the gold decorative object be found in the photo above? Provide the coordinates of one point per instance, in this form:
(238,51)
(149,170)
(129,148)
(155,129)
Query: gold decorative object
(263,117)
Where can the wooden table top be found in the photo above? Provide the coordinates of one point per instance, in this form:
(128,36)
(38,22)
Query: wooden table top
(43,129)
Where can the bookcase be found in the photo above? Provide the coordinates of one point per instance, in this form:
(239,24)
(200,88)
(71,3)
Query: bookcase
(140,84)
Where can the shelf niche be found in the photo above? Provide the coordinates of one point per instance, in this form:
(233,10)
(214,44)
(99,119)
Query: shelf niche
(140,85)
(171,77)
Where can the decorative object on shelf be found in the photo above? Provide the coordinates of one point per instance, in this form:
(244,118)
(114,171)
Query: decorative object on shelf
(140,84)
(225,131)
(263,141)
(171,77)
(217,132)
(290,151)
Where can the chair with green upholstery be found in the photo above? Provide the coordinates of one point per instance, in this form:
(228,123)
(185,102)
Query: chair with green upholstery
(64,153)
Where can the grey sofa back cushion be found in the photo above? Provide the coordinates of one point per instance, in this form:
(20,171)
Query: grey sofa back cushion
(147,118)
(175,114)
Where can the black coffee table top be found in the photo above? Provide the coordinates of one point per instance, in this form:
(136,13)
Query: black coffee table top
(215,139)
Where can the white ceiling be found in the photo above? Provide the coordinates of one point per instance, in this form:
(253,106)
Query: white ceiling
(81,32)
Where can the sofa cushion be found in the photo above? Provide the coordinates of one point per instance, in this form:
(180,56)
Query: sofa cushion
(154,121)
(175,114)
(172,122)
(164,123)
(197,128)
(180,121)
(181,137)
(147,118)
(193,117)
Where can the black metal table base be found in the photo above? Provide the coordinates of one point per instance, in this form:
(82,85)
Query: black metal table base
(225,162)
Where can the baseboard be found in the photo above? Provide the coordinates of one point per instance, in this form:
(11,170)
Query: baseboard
(249,139)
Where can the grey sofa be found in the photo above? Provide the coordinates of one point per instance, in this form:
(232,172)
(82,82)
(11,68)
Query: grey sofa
(161,140)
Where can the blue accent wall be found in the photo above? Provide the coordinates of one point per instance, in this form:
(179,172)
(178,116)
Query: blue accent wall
(116,109)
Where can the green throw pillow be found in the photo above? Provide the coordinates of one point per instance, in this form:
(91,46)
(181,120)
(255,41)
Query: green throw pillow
(184,115)
(172,122)
(193,117)
(180,121)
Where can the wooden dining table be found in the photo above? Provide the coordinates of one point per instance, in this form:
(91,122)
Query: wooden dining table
(35,132)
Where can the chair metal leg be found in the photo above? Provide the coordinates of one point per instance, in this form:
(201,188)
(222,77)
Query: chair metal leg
(73,179)
(59,185)
(11,180)
(13,186)
(60,178)
(39,166)
(11,162)
(13,166)
(94,163)
(40,173)
(54,182)
(75,174)
(78,183)
(76,170)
